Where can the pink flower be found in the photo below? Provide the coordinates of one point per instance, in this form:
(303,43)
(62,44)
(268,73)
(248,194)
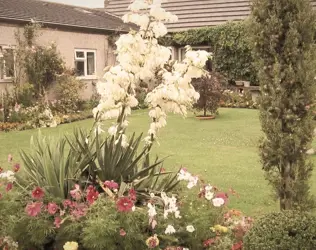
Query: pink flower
(124,204)
(76,193)
(132,194)
(52,208)
(57,222)
(222,195)
(122,232)
(37,193)
(79,210)
(16,167)
(92,194)
(9,186)
(237,246)
(10,158)
(33,209)
(66,203)
(111,184)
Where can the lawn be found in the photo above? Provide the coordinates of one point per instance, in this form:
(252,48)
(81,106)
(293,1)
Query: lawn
(224,151)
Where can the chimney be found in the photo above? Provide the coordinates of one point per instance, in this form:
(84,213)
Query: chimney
(106,3)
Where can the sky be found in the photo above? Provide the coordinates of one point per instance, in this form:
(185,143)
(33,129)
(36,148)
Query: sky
(84,3)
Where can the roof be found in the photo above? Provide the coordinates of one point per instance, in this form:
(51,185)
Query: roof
(195,13)
(61,15)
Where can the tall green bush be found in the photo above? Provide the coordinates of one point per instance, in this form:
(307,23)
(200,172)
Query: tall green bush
(283,37)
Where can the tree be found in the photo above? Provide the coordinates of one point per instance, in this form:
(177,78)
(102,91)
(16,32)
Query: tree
(209,89)
(283,36)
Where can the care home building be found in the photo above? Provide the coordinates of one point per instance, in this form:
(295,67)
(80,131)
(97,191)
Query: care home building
(82,36)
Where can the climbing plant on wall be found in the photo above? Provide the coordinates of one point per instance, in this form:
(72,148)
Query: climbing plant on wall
(230,46)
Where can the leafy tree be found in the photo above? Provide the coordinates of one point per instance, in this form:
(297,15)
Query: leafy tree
(209,89)
(283,36)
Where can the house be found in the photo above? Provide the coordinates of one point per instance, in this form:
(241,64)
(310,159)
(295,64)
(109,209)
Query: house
(82,36)
(194,14)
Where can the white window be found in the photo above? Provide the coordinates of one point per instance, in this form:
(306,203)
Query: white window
(85,62)
(6,62)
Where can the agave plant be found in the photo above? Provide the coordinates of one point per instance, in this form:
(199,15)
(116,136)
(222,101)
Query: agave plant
(52,165)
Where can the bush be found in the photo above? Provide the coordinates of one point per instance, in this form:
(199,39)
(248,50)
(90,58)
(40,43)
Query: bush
(232,99)
(25,94)
(209,89)
(283,230)
(68,90)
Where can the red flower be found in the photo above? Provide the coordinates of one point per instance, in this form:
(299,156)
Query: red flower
(237,246)
(57,222)
(209,242)
(16,167)
(222,195)
(124,204)
(111,184)
(52,208)
(1,169)
(132,194)
(37,193)
(122,232)
(92,194)
(9,186)
(79,210)
(34,208)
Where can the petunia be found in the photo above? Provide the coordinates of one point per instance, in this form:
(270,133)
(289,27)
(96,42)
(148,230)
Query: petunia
(122,232)
(9,186)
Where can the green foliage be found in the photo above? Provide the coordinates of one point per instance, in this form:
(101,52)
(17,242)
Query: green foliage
(285,58)
(68,89)
(103,224)
(110,161)
(51,165)
(25,94)
(209,89)
(283,230)
(233,99)
(230,46)
(40,64)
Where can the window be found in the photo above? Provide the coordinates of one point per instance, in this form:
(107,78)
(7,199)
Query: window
(6,62)
(85,62)
(208,65)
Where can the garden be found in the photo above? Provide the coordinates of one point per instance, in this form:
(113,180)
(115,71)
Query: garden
(158,164)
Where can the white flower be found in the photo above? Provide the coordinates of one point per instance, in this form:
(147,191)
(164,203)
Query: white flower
(208,188)
(218,202)
(112,130)
(209,196)
(8,175)
(151,210)
(190,229)
(170,230)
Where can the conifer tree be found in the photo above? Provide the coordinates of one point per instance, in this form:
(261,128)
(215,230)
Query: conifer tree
(282,32)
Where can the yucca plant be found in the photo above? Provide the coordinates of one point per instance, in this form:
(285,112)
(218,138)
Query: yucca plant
(52,165)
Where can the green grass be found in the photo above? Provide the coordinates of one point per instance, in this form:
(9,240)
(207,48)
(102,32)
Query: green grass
(223,152)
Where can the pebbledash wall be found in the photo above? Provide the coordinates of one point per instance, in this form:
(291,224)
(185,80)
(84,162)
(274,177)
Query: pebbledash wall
(67,42)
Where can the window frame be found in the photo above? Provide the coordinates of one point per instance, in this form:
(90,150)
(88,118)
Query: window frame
(85,60)
(8,78)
